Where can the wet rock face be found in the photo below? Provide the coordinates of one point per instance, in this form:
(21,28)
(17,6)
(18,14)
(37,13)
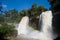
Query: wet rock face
(56,23)
(58,38)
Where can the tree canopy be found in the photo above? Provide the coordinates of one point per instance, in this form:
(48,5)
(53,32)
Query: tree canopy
(55,5)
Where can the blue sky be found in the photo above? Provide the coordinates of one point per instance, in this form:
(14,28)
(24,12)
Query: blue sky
(23,4)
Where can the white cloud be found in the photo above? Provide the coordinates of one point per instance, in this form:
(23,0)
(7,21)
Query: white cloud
(4,6)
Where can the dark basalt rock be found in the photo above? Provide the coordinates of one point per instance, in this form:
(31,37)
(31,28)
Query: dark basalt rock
(56,25)
(58,38)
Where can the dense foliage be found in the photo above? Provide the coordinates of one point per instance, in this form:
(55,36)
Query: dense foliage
(1,18)
(55,5)
(7,31)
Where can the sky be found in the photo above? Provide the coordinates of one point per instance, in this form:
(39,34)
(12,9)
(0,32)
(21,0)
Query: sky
(23,4)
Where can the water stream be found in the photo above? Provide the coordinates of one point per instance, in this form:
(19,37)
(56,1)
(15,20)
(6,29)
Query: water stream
(45,22)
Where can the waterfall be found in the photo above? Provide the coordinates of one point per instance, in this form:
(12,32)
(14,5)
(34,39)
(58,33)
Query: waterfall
(45,22)
(46,32)
(22,28)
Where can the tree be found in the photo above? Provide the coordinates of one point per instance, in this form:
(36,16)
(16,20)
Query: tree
(7,31)
(41,9)
(23,13)
(34,13)
(1,18)
(11,15)
(55,5)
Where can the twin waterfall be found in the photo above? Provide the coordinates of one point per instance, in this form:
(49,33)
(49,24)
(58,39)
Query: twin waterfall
(45,22)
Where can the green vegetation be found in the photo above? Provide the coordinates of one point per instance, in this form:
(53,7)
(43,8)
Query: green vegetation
(33,13)
(7,32)
(1,18)
(13,16)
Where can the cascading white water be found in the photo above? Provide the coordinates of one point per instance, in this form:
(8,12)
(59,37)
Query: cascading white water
(46,25)
(46,32)
(22,28)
